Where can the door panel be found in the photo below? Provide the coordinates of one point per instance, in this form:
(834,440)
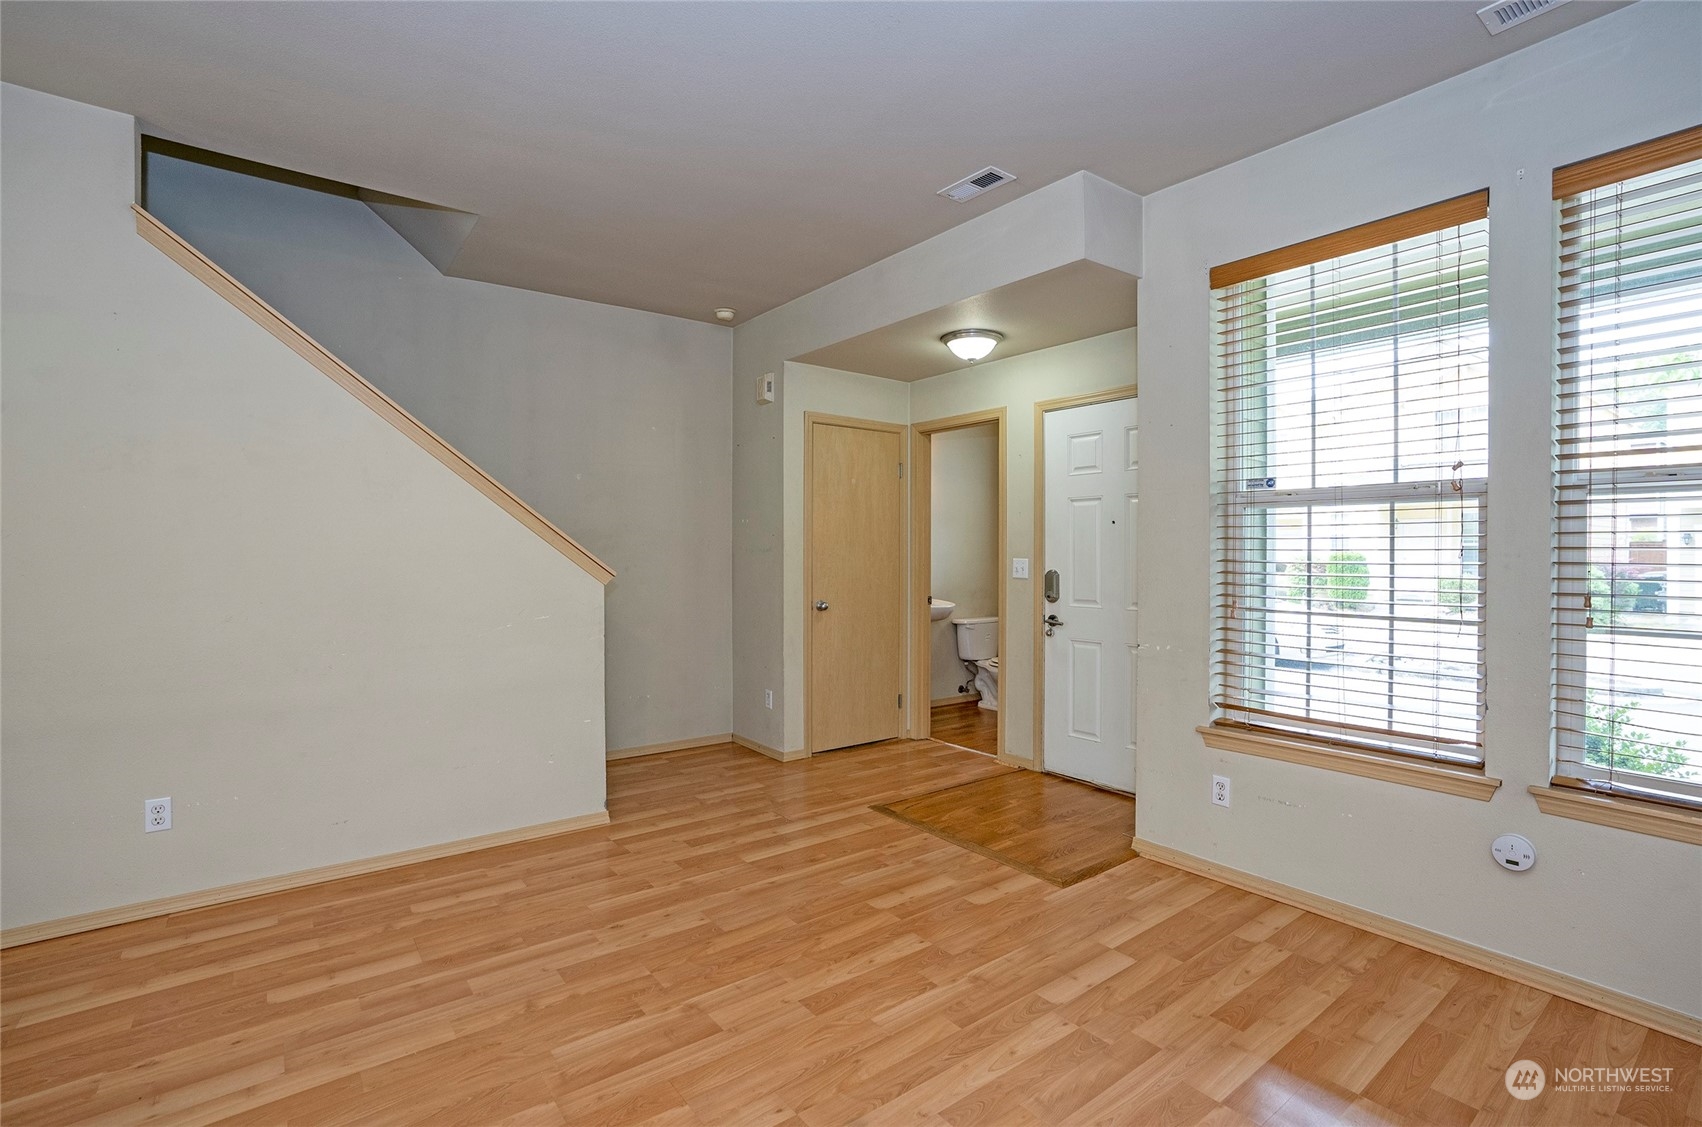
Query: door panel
(1091,467)
(1084,690)
(1085,551)
(856,547)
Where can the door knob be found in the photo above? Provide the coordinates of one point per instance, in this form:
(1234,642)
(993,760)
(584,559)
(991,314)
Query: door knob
(821,604)
(1052,621)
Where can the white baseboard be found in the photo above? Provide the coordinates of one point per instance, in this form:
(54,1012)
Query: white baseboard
(960,698)
(1555,982)
(243,890)
(671,745)
(772,753)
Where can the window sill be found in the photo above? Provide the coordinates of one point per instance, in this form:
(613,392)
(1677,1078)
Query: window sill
(1620,812)
(1460,781)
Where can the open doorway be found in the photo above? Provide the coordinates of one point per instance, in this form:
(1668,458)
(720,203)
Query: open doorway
(957,583)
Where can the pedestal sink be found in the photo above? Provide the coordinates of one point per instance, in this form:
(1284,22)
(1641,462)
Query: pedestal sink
(940,608)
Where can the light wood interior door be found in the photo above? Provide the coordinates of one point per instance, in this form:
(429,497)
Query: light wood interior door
(855,583)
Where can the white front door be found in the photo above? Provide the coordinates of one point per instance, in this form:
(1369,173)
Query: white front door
(1090,500)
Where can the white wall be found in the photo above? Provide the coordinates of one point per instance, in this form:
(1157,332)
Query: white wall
(1079,217)
(613,423)
(964,555)
(1605,905)
(1017,384)
(230,583)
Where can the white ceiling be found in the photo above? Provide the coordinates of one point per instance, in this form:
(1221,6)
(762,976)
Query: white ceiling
(682,156)
(1072,302)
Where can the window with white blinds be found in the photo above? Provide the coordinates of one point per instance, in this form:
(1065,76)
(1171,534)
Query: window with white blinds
(1628,595)
(1351,485)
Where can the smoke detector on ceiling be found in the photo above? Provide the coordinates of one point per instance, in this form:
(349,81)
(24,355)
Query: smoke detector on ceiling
(1499,17)
(971,186)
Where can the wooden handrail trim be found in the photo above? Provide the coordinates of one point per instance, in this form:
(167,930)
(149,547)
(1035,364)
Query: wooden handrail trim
(180,251)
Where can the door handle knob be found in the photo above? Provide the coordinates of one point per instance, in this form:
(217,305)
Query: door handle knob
(821,604)
(1052,621)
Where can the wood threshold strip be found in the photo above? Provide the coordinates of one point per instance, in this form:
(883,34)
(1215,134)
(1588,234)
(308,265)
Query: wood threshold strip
(1420,221)
(180,251)
(1543,978)
(1633,160)
(1620,812)
(1390,768)
(243,890)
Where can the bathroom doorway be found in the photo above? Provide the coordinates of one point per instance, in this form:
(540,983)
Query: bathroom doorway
(957,583)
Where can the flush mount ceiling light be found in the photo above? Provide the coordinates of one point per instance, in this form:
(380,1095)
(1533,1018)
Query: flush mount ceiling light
(971,344)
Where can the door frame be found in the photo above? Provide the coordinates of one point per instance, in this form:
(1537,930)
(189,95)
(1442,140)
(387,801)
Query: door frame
(1041,409)
(811,420)
(922,559)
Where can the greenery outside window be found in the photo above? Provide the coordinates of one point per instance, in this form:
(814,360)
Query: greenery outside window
(1628,592)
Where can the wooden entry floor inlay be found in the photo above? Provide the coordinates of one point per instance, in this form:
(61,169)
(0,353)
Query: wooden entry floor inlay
(1055,829)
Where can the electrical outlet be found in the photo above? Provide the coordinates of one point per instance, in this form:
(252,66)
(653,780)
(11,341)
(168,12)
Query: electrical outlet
(156,815)
(1220,790)
(768,698)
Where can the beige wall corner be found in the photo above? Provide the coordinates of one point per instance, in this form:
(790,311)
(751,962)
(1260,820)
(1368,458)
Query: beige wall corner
(1602,905)
(232,584)
(1078,217)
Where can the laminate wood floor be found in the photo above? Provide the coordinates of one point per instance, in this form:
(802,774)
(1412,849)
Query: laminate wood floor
(1056,829)
(749,944)
(966,724)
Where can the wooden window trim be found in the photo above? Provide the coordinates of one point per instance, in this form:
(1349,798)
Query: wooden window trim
(1623,164)
(1444,777)
(1564,800)
(1420,221)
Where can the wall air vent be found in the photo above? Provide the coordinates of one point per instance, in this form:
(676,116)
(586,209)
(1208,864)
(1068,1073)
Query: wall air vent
(1499,17)
(971,186)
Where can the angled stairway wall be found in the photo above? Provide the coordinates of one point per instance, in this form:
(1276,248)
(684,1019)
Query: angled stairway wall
(230,582)
(616,424)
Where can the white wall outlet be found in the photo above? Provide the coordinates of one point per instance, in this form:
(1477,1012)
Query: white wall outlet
(768,698)
(1220,790)
(156,815)
(1019,569)
(1513,852)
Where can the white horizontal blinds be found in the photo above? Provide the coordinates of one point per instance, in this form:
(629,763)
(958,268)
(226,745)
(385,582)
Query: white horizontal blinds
(1628,600)
(1352,454)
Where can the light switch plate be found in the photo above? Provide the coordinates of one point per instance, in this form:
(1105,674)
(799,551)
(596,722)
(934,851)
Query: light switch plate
(1019,569)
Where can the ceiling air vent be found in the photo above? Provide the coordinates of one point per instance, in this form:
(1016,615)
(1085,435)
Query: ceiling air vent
(1499,17)
(971,186)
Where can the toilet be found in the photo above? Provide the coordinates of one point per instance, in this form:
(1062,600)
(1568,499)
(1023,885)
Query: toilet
(978,645)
